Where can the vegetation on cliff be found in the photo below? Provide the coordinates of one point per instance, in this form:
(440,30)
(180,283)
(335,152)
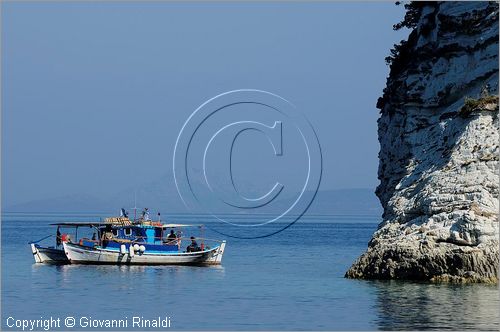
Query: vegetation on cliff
(486,103)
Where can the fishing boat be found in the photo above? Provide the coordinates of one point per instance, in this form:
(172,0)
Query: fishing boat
(55,254)
(119,240)
(50,255)
(122,241)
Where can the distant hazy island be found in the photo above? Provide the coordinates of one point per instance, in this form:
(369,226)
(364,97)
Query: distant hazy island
(439,138)
(163,198)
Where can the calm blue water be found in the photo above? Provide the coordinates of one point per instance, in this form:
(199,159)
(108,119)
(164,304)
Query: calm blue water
(290,281)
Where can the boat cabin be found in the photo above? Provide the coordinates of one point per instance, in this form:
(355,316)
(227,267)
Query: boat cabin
(151,234)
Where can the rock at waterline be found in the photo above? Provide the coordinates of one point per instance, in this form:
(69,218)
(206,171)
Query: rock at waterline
(439,137)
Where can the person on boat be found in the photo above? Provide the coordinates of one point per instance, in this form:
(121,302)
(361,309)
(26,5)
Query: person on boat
(172,238)
(107,234)
(145,214)
(66,238)
(123,213)
(58,237)
(193,246)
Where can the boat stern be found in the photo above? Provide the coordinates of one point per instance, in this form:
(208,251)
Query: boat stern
(217,253)
(36,253)
(48,255)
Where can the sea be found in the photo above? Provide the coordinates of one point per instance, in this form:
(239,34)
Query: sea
(292,280)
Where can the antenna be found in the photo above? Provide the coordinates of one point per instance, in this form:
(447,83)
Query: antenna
(135,205)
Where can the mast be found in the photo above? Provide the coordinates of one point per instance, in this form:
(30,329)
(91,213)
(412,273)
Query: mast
(135,205)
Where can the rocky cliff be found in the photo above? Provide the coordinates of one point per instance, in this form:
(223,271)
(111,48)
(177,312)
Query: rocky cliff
(439,139)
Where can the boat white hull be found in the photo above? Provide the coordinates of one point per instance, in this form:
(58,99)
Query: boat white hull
(77,254)
(48,255)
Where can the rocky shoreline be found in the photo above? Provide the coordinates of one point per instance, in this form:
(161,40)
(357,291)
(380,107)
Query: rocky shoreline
(439,138)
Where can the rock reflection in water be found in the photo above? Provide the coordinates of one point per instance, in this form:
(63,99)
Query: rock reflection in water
(424,306)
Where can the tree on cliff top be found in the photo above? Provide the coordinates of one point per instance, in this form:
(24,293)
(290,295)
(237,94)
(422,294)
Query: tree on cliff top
(412,16)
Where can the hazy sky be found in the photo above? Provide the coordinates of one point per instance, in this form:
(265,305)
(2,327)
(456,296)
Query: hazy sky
(94,94)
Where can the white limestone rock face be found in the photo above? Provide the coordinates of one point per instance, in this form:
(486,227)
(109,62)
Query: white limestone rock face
(439,182)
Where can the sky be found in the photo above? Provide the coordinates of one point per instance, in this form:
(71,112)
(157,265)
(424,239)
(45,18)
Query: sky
(94,94)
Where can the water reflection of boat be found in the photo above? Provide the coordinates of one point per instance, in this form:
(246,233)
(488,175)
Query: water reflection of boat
(120,240)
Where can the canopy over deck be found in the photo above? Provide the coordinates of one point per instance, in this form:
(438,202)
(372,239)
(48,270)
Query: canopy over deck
(97,224)
(178,225)
(78,224)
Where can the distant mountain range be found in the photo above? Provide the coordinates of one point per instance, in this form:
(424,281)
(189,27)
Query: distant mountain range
(158,197)
(361,201)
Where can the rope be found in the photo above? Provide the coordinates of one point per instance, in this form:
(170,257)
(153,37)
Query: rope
(40,239)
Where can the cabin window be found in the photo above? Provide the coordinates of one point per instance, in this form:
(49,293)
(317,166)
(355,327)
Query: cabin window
(128,231)
(115,232)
